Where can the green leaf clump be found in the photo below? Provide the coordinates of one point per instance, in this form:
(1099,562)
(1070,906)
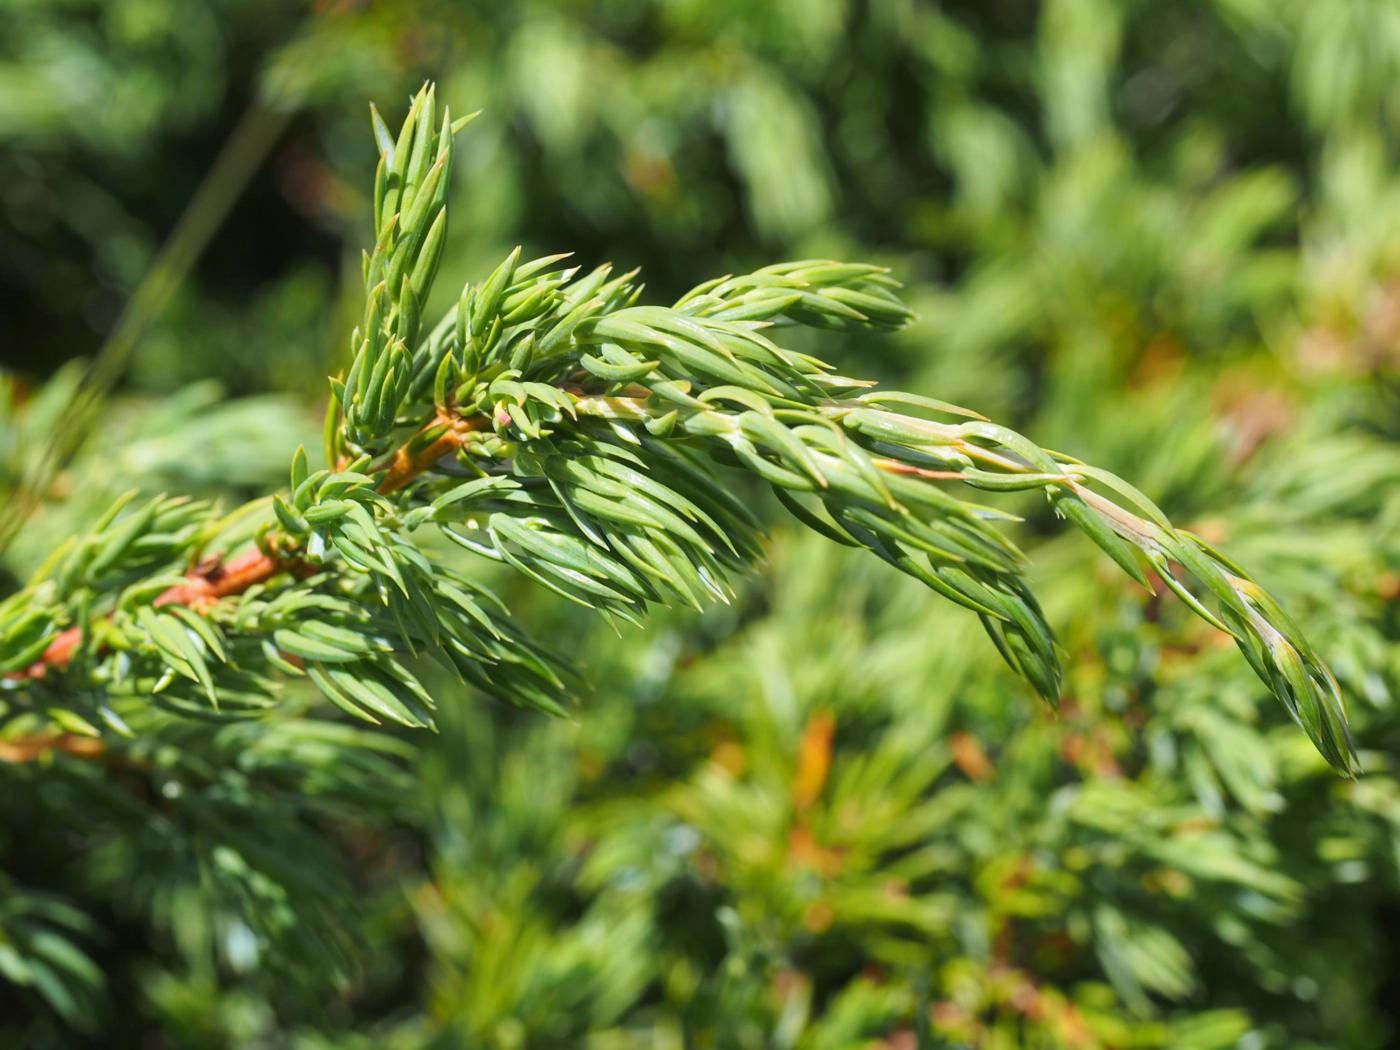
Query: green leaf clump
(553,421)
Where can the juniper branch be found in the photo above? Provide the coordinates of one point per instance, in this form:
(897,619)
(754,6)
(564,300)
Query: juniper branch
(552,422)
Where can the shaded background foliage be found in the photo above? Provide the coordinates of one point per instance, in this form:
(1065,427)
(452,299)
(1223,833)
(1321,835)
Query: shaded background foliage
(1162,236)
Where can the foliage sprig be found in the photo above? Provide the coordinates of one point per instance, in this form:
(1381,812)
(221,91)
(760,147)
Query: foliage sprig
(552,421)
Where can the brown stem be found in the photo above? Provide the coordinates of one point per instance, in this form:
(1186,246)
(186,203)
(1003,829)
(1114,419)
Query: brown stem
(35,746)
(405,466)
(216,578)
(207,582)
(408,465)
(908,470)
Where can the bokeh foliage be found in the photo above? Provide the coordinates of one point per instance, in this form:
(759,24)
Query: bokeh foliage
(1162,237)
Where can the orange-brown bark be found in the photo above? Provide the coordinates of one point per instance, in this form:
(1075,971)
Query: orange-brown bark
(216,578)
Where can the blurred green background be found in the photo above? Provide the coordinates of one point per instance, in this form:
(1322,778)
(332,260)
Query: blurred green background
(1163,236)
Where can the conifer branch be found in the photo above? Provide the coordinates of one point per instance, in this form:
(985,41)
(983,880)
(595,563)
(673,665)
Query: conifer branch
(552,422)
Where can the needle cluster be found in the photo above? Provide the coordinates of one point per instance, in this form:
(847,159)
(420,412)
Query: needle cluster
(554,421)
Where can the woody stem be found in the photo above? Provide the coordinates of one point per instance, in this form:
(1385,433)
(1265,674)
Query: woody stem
(225,579)
(407,464)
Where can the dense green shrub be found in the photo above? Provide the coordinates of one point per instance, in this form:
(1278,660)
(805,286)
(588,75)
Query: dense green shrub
(822,815)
